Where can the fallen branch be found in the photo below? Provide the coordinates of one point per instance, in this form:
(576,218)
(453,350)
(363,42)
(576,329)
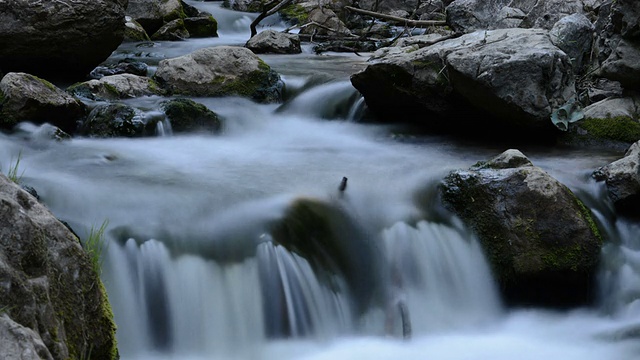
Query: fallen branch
(408,22)
(269,9)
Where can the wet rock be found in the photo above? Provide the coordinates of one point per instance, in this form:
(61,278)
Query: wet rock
(622,178)
(541,241)
(187,116)
(117,120)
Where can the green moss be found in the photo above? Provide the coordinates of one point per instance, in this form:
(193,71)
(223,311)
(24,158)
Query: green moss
(295,13)
(620,128)
(111,90)
(563,257)
(586,214)
(44,82)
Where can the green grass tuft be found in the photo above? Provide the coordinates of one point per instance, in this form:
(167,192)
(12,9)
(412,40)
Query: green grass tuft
(95,246)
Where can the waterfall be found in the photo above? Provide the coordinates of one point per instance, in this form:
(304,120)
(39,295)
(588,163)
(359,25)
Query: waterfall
(442,276)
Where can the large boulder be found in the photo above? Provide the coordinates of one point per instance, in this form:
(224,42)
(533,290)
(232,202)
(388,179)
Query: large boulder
(59,38)
(622,179)
(220,71)
(25,97)
(516,77)
(53,303)
(541,241)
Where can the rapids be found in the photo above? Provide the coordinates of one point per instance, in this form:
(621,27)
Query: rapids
(193,273)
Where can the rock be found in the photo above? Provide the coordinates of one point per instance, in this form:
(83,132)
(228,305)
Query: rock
(50,294)
(274,42)
(220,71)
(19,342)
(187,116)
(333,243)
(152,14)
(328,19)
(24,97)
(116,87)
(174,30)
(541,241)
(622,178)
(117,120)
(623,64)
(516,78)
(126,66)
(466,16)
(574,35)
(201,26)
(59,38)
(134,32)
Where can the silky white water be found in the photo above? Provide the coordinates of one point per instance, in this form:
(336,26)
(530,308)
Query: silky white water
(193,272)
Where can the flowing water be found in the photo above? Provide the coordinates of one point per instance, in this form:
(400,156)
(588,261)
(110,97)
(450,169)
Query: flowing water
(193,271)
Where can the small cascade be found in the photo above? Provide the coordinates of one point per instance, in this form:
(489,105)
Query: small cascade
(332,100)
(185,304)
(621,271)
(439,277)
(296,303)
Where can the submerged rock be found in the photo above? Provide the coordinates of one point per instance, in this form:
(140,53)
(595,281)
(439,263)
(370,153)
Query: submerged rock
(540,239)
(52,302)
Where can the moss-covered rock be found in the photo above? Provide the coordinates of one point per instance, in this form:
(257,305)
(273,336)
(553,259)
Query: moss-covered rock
(333,243)
(186,115)
(220,71)
(117,120)
(612,132)
(540,239)
(54,292)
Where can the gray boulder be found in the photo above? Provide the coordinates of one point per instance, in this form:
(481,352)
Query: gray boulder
(541,241)
(516,77)
(574,35)
(220,71)
(274,42)
(59,38)
(24,97)
(51,294)
(622,178)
